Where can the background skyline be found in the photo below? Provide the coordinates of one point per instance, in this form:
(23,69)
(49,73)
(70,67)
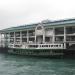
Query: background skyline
(20,12)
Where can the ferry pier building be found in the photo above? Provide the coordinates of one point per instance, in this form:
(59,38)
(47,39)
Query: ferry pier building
(45,32)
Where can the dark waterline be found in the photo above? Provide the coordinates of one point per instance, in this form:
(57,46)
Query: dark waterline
(21,65)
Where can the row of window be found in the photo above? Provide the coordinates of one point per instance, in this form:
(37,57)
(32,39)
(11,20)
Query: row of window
(50,45)
(45,46)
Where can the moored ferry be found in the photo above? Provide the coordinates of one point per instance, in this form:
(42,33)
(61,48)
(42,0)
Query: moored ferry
(47,38)
(37,49)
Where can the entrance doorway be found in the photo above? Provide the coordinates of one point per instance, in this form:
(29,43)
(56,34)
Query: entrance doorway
(39,39)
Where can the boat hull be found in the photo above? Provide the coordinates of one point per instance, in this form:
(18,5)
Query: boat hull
(40,52)
(37,52)
(3,49)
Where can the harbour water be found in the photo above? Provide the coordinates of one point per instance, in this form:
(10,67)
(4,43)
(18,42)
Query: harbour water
(22,65)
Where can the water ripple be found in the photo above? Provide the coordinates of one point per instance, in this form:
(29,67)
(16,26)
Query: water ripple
(21,65)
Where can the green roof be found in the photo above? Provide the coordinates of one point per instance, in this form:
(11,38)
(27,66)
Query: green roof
(51,23)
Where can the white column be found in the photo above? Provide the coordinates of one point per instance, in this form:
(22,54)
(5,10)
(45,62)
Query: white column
(64,37)
(2,40)
(8,39)
(27,36)
(35,38)
(21,37)
(14,38)
(5,41)
(53,35)
(44,36)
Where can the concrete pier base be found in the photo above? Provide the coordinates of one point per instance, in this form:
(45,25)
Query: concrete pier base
(3,50)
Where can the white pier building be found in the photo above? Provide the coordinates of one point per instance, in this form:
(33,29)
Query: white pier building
(55,34)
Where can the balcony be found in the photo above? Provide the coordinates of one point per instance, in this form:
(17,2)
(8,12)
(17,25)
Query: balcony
(17,42)
(70,30)
(12,34)
(70,38)
(59,39)
(59,31)
(31,33)
(31,40)
(24,33)
(17,34)
(24,40)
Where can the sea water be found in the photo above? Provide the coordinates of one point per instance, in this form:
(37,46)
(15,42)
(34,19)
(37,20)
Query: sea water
(22,65)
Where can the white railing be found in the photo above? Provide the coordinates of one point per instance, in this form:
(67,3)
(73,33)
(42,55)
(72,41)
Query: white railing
(46,46)
(38,46)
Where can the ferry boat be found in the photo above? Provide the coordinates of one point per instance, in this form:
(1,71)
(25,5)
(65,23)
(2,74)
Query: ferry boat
(47,38)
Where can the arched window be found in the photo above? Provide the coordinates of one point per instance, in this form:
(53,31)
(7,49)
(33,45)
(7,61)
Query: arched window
(39,28)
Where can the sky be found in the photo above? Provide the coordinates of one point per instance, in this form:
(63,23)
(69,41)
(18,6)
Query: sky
(20,12)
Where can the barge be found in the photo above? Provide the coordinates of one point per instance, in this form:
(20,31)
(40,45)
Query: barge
(47,38)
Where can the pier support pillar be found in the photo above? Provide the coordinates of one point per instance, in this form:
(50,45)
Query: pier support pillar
(35,38)
(43,37)
(14,38)
(53,34)
(20,37)
(2,40)
(64,37)
(27,36)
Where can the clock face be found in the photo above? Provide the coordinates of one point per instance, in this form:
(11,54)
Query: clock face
(39,30)
(39,27)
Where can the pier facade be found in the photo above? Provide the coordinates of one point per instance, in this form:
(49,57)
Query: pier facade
(45,35)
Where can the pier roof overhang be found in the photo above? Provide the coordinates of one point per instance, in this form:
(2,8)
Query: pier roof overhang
(32,26)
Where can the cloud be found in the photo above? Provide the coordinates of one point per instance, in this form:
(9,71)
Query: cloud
(19,12)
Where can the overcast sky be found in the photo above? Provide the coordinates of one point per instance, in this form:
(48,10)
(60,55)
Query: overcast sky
(20,12)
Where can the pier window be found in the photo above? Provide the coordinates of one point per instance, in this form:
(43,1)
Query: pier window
(31,40)
(17,34)
(24,33)
(12,34)
(70,38)
(24,39)
(7,35)
(51,45)
(31,32)
(34,46)
(47,39)
(70,29)
(42,45)
(17,40)
(59,45)
(39,27)
(59,30)
(55,45)
(46,45)
(12,40)
(59,38)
